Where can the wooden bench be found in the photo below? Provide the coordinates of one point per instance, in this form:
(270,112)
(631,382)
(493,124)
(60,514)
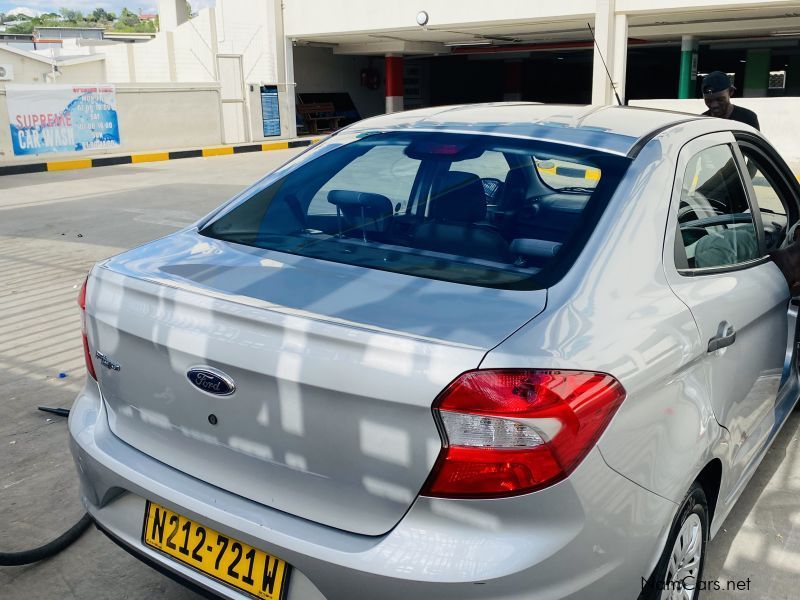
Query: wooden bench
(314,112)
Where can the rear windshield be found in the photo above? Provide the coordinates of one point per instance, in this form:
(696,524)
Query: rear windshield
(479,210)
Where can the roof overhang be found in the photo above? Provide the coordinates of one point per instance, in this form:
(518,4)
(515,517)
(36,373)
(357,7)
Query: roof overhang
(661,26)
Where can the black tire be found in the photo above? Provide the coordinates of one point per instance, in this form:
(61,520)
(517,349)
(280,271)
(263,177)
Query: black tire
(693,504)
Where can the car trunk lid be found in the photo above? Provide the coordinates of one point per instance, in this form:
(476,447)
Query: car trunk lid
(335,369)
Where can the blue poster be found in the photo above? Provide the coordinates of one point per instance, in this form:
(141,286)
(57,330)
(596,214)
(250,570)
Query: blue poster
(270,111)
(62,118)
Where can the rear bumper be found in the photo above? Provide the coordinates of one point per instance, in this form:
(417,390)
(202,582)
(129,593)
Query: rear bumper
(593,535)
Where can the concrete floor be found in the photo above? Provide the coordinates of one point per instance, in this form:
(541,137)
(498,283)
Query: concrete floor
(53,226)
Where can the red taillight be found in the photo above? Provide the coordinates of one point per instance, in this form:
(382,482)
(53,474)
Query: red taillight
(513,431)
(87,353)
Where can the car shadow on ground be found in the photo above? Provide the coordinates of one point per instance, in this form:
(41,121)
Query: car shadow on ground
(761,535)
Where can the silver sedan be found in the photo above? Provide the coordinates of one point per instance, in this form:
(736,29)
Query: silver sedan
(492,351)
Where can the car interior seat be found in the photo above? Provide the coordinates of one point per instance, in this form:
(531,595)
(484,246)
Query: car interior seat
(362,214)
(726,247)
(456,222)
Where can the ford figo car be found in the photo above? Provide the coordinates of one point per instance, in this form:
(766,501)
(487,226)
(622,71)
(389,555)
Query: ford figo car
(493,351)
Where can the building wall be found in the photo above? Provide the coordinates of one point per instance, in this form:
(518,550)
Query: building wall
(248,28)
(193,45)
(27,70)
(151,60)
(188,54)
(118,69)
(320,70)
(777,117)
(151,117)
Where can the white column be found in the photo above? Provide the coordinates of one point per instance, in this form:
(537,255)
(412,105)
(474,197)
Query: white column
(604,21)
(131,64)
(619,64)
(173,70)
(291,91)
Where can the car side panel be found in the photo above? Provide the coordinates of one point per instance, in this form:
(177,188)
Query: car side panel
(615,313)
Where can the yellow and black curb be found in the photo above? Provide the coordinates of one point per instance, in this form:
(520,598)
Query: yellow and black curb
(142,157)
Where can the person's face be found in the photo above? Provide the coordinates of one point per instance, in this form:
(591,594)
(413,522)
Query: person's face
(718,103)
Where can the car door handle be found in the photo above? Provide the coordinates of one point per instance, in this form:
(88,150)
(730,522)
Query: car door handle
(726,335)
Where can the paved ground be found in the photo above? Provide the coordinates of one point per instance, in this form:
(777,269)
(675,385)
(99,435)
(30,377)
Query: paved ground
(53,226)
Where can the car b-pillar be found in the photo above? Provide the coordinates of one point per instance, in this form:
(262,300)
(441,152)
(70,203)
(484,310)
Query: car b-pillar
(394,83)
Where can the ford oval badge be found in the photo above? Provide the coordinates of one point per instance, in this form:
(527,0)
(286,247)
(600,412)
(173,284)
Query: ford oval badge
(211,381)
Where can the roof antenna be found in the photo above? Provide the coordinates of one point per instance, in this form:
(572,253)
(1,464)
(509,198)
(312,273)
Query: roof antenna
(610,80)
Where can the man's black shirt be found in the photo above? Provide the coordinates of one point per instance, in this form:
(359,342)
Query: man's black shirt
(743,115)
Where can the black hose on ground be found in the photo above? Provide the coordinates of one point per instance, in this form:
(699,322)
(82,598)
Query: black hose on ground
(26,557)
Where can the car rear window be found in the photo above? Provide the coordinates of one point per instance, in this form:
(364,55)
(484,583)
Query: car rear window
(473,209)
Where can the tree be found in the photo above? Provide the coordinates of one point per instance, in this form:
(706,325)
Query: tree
(21,27)
(129,22)
(128,18)
(71,15)
(100,15)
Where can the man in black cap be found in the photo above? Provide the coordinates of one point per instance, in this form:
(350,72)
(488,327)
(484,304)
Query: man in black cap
(717,92)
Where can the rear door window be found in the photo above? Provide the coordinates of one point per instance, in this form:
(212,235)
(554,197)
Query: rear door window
(715,223)
(772,193)
(418,204)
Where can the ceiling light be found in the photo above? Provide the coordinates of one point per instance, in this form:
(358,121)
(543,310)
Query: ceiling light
(469,43)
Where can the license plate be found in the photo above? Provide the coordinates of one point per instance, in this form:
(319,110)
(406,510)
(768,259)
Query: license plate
(225,559)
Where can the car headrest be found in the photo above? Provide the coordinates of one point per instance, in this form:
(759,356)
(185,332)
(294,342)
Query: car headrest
(373,203)
(515,188)
(459,197)
(363,211)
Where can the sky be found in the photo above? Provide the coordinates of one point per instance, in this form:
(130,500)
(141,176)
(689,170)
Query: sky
(89,5)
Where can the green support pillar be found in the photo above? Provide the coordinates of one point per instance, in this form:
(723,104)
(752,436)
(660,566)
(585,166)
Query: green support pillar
(686,84)
(756,73)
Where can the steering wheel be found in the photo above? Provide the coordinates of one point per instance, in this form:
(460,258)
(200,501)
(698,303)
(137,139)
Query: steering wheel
(774,239)
(491,185)
(688,209)
(726,220)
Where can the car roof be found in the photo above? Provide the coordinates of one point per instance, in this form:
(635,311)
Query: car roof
(616,129)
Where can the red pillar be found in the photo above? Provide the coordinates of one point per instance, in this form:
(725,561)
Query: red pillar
(394,83)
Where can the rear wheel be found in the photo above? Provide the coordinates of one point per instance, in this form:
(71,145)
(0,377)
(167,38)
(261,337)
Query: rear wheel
(680,568)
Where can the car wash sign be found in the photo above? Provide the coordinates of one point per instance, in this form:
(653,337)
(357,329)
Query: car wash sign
(62,118)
